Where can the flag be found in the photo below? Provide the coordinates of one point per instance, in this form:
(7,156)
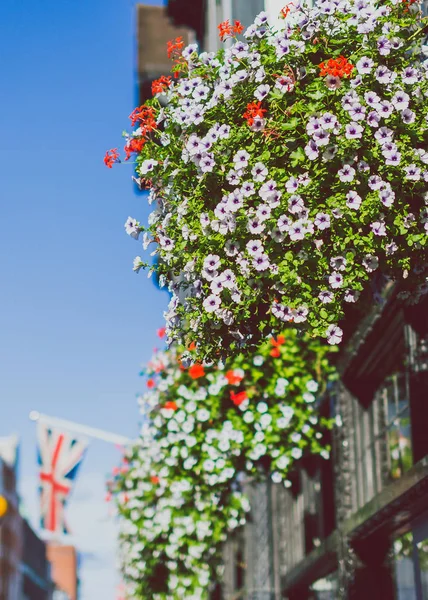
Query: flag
(59,455)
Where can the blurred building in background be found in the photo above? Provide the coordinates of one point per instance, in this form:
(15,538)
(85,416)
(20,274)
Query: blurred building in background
(36,583)
(154,30)
(11,528)
(64,562)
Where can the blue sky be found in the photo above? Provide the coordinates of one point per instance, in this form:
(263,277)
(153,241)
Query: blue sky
(75,321)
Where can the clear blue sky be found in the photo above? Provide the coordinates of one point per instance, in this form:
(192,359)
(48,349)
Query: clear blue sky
(75,321)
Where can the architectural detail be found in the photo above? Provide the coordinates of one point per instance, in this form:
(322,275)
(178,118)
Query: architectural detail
(260,582)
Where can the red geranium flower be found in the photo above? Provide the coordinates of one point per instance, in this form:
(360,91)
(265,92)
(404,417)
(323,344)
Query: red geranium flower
(154,479)
(254,109)
(196,371)
(174,47)
(279,341)
(111,157)
(233,378)
(171,405)
(160,85)
(238,397)
(227,30)
(161,332)
(150,383)
(337,67)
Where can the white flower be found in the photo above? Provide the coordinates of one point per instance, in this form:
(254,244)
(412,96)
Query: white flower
(335,280)
(262,91)
(378,228)
(202,415)
(265,420)
(147,166)
(364,65)
(297,231)
(334,335)
(346,173)
(211,303)
(212,262)
(326,296)
(353,200)
(322,221)
(312,386)
(370,263)
(262,407)
(261,262)
(299,314)
(308,397)
(138,263)
(283,462)
(248,416)
(241,159)
(132,228)
(296,453)
(338,263)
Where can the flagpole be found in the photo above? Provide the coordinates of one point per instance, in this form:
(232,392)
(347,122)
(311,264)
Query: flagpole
(100,434)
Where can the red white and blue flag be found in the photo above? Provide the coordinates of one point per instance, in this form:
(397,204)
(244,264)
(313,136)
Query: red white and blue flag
(60,455)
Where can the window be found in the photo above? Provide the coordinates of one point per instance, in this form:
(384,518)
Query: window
(382,448)
(396,400)
(411,564)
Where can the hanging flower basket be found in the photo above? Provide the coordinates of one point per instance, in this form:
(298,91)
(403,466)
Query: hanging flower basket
(286,170)
(206,429)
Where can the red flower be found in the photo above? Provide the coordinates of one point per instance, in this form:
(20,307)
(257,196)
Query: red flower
(160,85)
(161,332)
(192,346)
(146,116)
(196,371)
(174,47)
(337,67)
(285,11)
(238,397)
(279,341)
(254,109)
(275,352)
(115,470)
(134,144)
(225,29)
(233,378)
(154,479)
(108,497)
(111,157)
(150,383)
(238,28)
(170,405)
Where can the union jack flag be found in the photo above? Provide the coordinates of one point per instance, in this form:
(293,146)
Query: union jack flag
(60,455)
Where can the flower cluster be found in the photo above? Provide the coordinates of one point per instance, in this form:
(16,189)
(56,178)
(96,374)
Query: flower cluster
(287,171)
(207,430)
(337,67)
(227,30)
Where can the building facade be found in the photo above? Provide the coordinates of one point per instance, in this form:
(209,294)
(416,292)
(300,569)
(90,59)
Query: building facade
(64,563)
(154,30)
(355,526)
(35,568)
(11,535)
